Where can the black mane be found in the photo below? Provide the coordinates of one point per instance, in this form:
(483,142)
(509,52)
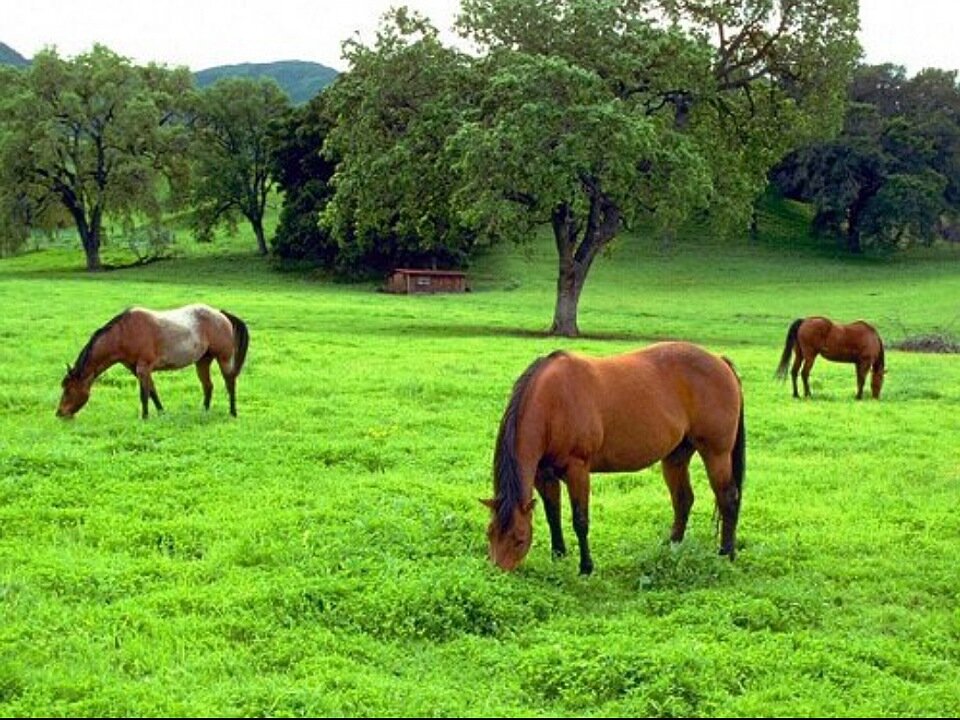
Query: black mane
(79,367)
(507,483)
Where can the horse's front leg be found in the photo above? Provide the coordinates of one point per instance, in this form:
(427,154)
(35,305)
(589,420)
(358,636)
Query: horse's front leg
(548,488)
(578,486)
(147,389)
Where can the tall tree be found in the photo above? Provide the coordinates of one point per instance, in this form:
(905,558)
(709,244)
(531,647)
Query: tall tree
(232,123)
(393,113)
(597,113)
(94,134)
(303,175)
(891,179)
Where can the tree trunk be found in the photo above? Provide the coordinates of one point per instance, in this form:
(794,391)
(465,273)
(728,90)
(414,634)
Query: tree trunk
(258,231)
(90,238)
(574,260)
(565,232)
(854,212)
(853,230)
(569,285)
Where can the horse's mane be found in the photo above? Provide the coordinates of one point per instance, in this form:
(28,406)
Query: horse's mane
(507,484)
(77,371)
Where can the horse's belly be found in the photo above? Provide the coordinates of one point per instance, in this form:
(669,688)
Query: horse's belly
(838,356)
(625,459)
(185,350)
(613,466)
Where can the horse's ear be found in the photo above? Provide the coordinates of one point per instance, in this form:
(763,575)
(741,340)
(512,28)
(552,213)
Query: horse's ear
(492,503)
(528,508)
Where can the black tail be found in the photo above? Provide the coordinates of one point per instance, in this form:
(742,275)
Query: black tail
(241,340)
(787,348)
(507,482)
(738,455)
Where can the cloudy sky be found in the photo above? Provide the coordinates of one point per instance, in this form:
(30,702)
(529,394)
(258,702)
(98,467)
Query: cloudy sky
(203,33)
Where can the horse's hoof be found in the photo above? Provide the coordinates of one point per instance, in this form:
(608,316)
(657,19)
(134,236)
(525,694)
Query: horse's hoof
(586,568)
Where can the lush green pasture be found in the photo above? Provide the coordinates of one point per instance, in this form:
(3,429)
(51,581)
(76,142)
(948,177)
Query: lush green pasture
(324,553)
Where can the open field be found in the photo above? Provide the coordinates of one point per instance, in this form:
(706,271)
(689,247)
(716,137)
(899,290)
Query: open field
(324,554)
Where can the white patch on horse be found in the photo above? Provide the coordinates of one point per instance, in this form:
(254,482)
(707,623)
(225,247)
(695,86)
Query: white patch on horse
(181,340)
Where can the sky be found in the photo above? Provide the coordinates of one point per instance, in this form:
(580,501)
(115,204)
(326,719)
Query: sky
(205,33)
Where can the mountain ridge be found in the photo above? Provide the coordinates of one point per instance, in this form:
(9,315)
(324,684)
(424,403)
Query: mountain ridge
(301,80)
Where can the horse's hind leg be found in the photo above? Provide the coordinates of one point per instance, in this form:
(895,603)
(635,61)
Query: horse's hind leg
(203,372)
(549,489)
(795,370)
(230,380)
(720,471)
(808,361)
(578,487)
(676,471)
(863,367)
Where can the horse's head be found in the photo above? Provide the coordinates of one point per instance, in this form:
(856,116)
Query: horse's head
(510,537)
(879,369)
(76,392)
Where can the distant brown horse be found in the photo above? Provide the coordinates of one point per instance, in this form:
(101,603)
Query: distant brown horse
(147,340)
(857,343)
(571,415)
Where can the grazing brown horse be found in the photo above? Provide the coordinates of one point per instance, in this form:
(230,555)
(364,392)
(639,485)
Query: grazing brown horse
(571,415)
(856,343)
(147,340)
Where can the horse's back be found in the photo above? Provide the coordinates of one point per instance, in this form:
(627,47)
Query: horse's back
(628,411)
(840,342)
(185,334)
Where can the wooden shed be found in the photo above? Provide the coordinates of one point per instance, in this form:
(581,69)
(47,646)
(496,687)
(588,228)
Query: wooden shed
(407,281)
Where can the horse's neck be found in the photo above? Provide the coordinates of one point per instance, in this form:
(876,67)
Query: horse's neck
(101,358)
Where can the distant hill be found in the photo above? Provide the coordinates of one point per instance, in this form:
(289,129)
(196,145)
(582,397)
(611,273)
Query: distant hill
(299,79)
(9,56)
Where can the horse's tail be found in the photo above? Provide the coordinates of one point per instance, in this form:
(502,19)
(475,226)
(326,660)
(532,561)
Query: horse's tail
(738,455)
(507,479)
(241,341)
(787,348)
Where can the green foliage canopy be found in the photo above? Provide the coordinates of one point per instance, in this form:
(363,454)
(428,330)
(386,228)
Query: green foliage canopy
(596,114)
(394,111)
(89,137)
(891,179)
(303,175)
(232,130)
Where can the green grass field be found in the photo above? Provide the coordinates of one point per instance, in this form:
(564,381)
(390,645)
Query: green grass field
(324,554)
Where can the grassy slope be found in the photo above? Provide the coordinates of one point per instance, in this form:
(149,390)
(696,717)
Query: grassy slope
(324,553)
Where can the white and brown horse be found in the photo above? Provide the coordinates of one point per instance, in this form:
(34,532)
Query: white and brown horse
(146,340)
